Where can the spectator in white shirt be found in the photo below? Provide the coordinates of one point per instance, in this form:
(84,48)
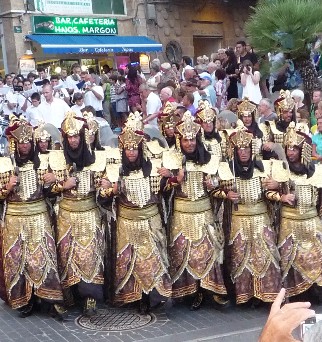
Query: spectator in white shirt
(59,92)
(33,113)
(93,95)
(53,110)
(74,79)
(41,77)
(152,105)
(23,98)
(79,104)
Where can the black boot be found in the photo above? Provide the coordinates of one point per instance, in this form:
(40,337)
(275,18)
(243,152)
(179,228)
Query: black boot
(59,311)
(26,310)
(197,301)
(144,306)
(90,307)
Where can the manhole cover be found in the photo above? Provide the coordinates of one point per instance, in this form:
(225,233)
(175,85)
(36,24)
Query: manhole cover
(115,320)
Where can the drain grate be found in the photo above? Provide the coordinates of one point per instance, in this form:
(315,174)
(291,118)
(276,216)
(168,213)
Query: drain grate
(115,320)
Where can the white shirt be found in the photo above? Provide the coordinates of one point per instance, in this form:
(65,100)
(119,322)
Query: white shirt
(153,105)
(54,112)
(12,98)
(197,97)
(91,100)
(71,83)
(77,110)
(34,115)
(21,101)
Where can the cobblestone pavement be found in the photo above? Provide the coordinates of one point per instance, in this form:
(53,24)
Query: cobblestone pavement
(168,324)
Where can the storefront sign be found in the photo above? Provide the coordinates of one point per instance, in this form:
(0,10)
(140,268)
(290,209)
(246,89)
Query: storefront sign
(74,25)
(80,7)
(17,29)
(26,66)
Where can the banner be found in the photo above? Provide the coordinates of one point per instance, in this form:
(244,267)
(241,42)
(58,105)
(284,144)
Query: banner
(80,6)
(74,25)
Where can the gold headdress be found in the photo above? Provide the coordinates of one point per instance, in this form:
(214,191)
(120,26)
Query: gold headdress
(40,133)
(284,102)
(205,112)
(130,139)
(71,124)
(294,137)
(134,122)
(246,108)
(241,138)
(92,124)
(188,129)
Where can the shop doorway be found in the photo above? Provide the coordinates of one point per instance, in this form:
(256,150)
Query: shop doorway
(206,45)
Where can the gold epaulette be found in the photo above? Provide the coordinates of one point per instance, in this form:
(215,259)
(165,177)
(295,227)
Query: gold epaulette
(113,172)
(5,165)
(315,180)
(224,171)
(44,161)
(275,169)
(154,147)
(156,163)
(172,159)
(100,162)
(210,168)
(113,154)
(265,128)
(57,160)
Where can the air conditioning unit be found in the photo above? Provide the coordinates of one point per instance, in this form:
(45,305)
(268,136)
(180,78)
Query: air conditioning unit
(150,12)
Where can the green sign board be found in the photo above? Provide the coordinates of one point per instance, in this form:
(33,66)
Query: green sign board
(74,25)
(17,29)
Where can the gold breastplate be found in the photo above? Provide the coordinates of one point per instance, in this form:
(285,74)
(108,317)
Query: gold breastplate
(137,188)
(250,190)
(28,181)
(84,182)
(193,187)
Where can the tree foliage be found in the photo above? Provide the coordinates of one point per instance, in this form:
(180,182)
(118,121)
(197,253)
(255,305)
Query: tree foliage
(285,26)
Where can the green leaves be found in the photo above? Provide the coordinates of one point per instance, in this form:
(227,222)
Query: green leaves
(285,26)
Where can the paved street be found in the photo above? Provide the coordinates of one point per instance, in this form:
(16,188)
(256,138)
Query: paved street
(169,324)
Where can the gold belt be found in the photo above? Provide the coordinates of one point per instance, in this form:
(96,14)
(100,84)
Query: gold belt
(26,208)
(294,214)
(251,209)
(133,213)
(187,206)
(82,204)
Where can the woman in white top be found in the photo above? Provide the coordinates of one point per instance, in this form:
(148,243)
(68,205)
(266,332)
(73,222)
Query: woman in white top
(250,82)
(154,79)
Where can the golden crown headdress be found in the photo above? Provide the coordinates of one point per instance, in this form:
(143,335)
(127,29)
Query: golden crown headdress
(92,124)
(129,139)
(246,108)
(168,120)
(284,102)
(205,112)
(40,133)
(188,129)
(72,125)
(19,130)
(241,138)
(294,137)
(169,108)
(134,122)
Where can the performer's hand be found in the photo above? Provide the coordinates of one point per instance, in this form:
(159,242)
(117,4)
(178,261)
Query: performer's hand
(162,171)
(210,183)
(288,198)
(12,183)
(105,184)
(180,176)
(49,178)
(70,183)
(233,196)
(268,146)
(282,321)
(270,184)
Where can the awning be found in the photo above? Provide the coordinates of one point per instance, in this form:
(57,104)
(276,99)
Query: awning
(83,44)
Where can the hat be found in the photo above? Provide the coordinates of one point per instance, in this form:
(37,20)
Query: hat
(205,76)
(92,124)
(284,102)
(205,113)
(187,128)
(241,138)
(294,137)
(72,125)
(40,133)
(130,139)
(246,108)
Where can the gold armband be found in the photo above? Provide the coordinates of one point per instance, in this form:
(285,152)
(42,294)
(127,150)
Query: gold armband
(105,192)
(273,196)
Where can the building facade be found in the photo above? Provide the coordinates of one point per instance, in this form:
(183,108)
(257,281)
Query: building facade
(182,27)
